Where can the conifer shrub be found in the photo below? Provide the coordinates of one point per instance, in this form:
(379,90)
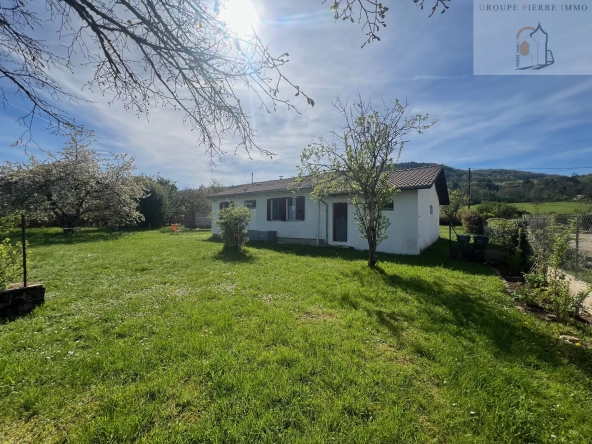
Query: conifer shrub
(472,222)
(232,222)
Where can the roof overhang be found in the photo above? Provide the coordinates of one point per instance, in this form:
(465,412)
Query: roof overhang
(442,189)
(252,193)
(286,185)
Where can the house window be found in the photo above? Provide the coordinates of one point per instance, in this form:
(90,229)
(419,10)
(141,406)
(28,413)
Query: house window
(251,204)
(285,208)
(431,209)
(225,204)
(276,209)
(389,206)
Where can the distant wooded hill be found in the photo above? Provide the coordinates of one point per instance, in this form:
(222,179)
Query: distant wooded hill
(514,186)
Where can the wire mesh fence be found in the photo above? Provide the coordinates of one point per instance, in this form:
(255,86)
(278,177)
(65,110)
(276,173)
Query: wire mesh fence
(578,258)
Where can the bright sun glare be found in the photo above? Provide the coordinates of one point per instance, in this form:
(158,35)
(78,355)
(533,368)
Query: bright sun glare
(239,15)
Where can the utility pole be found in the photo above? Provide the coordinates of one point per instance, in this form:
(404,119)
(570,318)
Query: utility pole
(469,188)
(251,178)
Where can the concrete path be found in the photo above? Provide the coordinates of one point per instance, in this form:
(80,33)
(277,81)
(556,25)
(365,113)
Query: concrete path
(576,286)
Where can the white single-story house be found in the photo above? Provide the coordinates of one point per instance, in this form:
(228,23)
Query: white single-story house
(296,218)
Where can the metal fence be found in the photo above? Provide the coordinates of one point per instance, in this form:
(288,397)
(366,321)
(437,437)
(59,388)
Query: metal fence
(578,260)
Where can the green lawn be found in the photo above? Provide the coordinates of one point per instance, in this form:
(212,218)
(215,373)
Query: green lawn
(445,231)
(548,207)
(154,337)
(551,207)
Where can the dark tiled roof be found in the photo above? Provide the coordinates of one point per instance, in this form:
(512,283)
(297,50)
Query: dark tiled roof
(409,179)
(414,178)
(264,187)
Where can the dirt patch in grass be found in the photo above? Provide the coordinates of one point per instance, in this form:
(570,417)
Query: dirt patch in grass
(317,316)
(269,298)
(393,354)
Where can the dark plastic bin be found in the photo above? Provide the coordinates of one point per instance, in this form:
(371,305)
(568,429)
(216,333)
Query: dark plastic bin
(463,241)
(253,235)
(480,241)
(272,237)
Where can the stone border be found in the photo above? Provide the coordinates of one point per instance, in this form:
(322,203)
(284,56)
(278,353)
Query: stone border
(20,301)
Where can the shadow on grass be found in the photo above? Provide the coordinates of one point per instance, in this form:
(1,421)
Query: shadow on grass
(6,319)
(234,256)
(389,319)
(43,237)
(465,307)
(434,256)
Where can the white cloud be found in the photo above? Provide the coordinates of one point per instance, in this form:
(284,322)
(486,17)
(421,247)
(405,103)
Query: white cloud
(426,60)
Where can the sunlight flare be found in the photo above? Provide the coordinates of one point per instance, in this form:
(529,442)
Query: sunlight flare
(240,16)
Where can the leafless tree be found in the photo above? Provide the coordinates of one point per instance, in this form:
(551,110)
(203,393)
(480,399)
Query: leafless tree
(146,53)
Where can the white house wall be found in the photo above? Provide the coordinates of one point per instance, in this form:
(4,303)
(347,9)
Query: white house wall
(301,229)
(402,232)
(428,223)
(404,236)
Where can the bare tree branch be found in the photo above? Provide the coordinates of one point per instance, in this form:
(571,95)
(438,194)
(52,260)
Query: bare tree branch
(143,53)
(371,14)
(147,53)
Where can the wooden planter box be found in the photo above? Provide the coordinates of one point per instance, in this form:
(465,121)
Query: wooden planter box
(21,301)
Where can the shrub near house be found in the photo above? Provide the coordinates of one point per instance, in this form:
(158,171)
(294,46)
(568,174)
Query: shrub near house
(232,222)
(472,222)
(499,210)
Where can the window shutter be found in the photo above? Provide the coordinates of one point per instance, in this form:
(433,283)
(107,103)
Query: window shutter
(268,209)
(300,208)
(283,208)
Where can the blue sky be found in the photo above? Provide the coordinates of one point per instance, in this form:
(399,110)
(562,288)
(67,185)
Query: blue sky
(519,122)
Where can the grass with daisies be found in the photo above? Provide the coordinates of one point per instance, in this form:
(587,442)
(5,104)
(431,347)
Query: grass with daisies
(158,337)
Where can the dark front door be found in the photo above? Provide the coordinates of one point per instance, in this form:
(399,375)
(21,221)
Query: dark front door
(340,222)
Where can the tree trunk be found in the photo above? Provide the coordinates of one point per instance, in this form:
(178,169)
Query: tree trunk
(372,259)
(371,236)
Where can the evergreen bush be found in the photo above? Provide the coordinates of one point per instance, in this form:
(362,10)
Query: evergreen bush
(232,222)
(472,222)
(500,210)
